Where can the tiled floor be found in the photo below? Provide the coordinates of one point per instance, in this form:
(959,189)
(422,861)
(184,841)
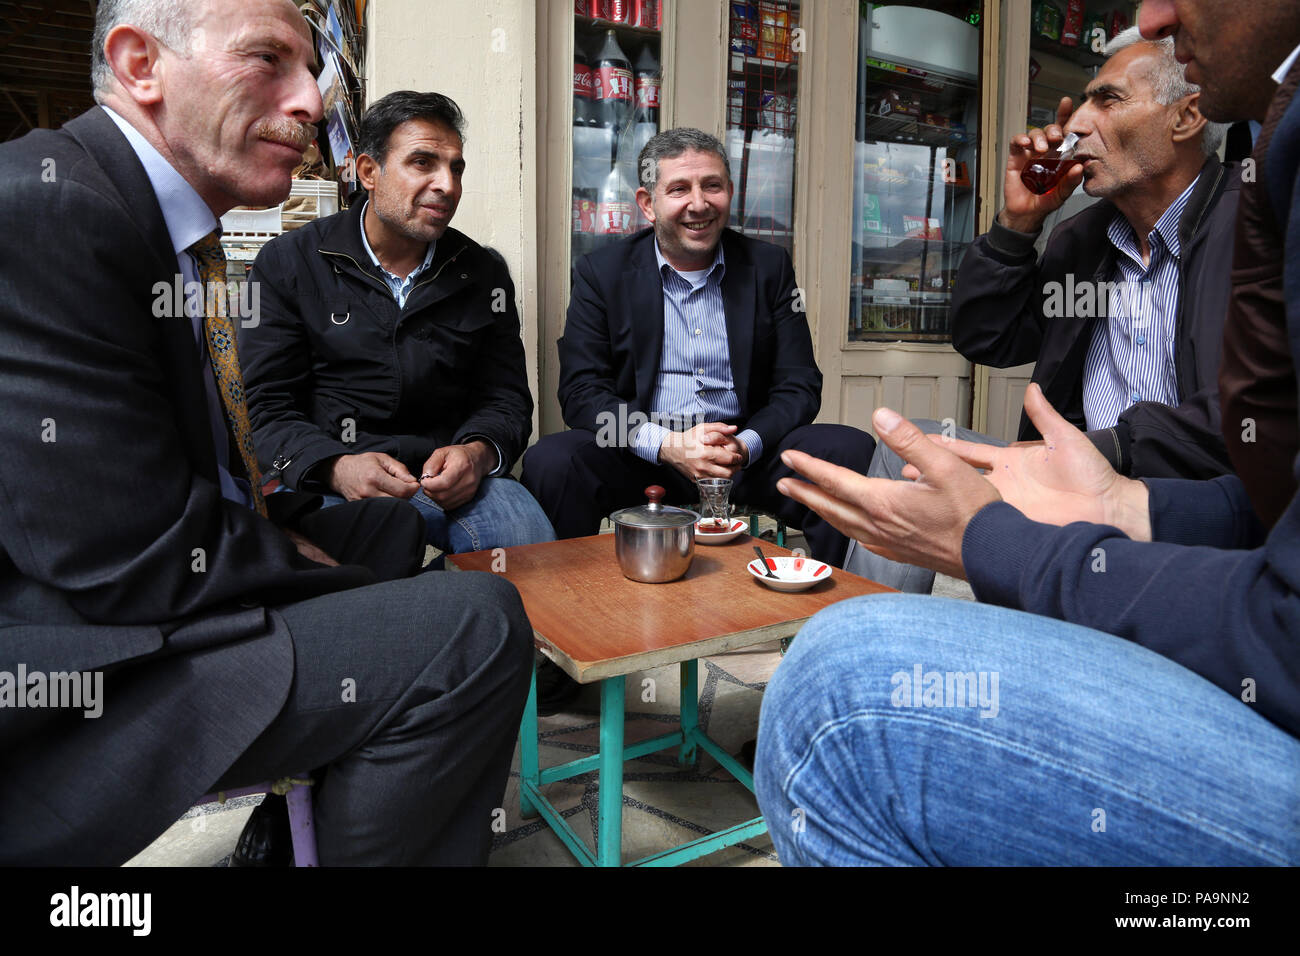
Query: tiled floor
(663,804)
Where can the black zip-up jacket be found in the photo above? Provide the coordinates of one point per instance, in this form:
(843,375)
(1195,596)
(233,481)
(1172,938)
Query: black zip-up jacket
(334,367)
(998,319)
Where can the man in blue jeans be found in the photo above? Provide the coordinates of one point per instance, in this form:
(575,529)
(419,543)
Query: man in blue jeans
(1146,710)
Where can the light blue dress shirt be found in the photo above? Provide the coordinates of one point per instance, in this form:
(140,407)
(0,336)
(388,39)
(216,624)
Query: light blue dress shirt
(695,383)
(188,219)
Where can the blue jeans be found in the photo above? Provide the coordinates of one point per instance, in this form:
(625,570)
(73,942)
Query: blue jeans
(500,515)
(886,463)
(1070,747)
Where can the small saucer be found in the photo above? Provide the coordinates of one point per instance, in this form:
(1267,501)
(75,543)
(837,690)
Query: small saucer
(737,528)
(792,574)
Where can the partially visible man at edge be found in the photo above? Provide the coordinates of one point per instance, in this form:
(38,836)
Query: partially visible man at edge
(226,655)
(1165,716)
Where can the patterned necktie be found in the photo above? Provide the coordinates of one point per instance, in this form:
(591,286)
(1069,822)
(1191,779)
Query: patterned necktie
(220,334)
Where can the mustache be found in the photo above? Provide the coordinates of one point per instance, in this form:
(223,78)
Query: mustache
(286,131)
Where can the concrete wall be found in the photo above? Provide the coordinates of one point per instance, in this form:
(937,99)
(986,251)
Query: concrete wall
(484,56)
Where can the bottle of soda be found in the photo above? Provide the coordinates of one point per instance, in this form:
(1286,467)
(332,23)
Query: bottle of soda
(645,14)
(614,211)
(584,94)
(647,82)
(612,73)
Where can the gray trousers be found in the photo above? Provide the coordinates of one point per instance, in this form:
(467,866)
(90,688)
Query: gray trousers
(886,463)
(405,705)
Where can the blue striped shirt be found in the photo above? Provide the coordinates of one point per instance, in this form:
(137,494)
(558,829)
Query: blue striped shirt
(1131,356)
(695,382)
(400,287)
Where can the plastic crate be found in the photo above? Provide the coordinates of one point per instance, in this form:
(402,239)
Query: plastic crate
(240,225)
(323,200)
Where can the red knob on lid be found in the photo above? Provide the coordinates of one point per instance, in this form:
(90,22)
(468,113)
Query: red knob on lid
(655,493)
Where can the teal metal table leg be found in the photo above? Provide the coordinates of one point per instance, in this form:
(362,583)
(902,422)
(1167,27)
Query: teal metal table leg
(609,834)
(690,712)
(528,770)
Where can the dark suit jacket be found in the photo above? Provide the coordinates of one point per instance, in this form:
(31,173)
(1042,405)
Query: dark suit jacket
(109,505)
(614,333)
(1257,380)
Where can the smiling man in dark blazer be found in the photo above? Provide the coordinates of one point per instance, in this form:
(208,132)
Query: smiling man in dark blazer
(686,354)
(131,542)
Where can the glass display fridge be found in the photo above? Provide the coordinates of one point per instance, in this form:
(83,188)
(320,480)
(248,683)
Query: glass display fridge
(616,105)
(764,43)
(914,166)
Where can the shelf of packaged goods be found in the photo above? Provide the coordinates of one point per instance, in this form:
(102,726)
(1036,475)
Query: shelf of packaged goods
(896,249)
(742,63)
(927,82)
(754,226)
(1081,54)
(908,298)
(892,126)
(900,335)
(876,184)
(592,23)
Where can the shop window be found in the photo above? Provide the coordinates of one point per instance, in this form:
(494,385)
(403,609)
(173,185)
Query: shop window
(762,99)
(914,166)
(616,106)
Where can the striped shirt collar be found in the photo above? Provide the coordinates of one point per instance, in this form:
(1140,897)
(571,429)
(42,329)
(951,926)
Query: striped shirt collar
(1123,238)
(399,285)
(717,268)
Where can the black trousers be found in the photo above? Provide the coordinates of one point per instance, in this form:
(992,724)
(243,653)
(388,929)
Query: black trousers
(578,482)
(385,535)
(406,696)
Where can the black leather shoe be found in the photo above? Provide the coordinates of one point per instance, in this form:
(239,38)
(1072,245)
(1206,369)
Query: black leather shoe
(746,755)
(555,689)
(266,839)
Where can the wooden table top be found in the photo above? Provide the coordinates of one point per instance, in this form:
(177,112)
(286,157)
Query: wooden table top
(595,623)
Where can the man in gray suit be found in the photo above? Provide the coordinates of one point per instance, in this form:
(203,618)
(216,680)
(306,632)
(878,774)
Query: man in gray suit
(130,540)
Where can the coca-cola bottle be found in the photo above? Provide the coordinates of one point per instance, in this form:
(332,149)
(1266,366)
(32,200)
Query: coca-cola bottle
(647,81)
(645,13)
(612,73)
(584,222)
(614,212)
(584,95)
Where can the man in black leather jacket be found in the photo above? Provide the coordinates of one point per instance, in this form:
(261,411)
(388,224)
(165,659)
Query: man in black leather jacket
(385,358)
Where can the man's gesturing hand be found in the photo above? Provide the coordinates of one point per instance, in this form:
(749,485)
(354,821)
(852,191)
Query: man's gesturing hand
(708,450)
(452,474)
(1061,479)
(918,522)
(371,475)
